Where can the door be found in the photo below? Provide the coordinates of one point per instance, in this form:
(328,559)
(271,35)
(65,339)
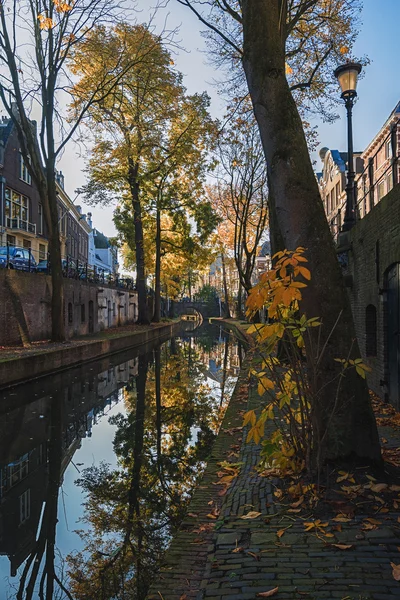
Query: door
(109,313)
(393,333)
(91,316)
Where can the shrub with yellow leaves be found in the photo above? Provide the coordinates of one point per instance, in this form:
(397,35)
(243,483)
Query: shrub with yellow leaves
(283,375)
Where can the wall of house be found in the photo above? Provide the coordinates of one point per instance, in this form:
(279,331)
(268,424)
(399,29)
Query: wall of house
(25,299)
(375,247)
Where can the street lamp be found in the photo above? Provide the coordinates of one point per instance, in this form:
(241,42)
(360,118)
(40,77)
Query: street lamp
(347,76)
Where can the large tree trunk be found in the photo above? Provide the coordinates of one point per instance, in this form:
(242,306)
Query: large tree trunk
(227,309)
(143,318)
(350,428)
(57,298)
(157,295)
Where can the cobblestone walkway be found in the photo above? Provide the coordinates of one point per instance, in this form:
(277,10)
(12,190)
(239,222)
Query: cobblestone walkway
(237,559)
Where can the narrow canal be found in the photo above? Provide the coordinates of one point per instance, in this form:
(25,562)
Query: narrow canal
(98,464)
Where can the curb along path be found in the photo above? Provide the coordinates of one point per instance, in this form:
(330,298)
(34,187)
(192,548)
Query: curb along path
(232,558)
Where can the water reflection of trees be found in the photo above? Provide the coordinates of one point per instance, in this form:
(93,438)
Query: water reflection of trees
(161,443)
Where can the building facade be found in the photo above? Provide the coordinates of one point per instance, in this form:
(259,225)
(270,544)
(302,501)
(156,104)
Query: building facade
(102,255)
(377,170)
(22,221)
(21,212)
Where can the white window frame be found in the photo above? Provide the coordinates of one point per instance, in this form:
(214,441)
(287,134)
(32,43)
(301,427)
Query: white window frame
(24,174)
(24,506)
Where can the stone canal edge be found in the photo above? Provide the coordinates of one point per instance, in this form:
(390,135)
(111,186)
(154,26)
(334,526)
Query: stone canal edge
(27,364)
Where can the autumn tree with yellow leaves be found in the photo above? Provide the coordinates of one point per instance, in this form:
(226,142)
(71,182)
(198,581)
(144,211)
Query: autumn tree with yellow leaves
(151,139)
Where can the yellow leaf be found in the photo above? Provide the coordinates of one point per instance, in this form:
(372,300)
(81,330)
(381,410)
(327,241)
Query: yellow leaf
(251,515)
(305,272)
(344,50)
(378,487)
(280,533)
(343,546)
(249,417)
(395,571)
(268,594)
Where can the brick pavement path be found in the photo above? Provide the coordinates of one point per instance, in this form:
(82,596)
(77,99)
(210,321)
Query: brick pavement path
(203,564)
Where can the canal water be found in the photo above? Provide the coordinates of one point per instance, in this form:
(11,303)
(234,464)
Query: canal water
(98,464)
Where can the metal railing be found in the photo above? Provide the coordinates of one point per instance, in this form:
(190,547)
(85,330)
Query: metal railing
(17,223)
(34,261)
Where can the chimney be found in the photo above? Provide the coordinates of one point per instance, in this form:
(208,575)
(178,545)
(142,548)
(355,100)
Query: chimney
(89,220)
(60,179)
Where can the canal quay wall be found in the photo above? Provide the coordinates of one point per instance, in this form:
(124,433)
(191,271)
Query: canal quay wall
(25,299)
(30,364)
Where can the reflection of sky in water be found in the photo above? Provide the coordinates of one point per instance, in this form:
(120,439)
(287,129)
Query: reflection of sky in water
(96,448)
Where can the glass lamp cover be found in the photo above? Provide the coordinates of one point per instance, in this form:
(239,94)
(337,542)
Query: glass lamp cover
(347,76)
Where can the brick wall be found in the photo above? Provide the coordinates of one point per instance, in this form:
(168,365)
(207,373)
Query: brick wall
(25,307)
(375,248)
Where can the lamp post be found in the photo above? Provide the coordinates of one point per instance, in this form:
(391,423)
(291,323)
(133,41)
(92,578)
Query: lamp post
(347,76)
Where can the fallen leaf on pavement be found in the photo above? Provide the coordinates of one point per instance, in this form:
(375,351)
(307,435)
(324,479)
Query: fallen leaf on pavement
(240,549)
(396,571)
(297,504)
(280,533)
(192,515)
(251,515)
(373,521)
(378,487)
(343,546)
(268,594)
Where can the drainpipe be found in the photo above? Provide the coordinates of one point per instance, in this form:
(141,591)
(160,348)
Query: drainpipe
(2,208)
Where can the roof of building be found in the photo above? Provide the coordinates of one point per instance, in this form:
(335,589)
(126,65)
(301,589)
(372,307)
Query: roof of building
(100,240)
(6,126)
(265,249)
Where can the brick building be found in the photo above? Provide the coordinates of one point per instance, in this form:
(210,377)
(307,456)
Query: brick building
(332,185)
(21,212)
(372,264)
(22,221)
(377,170)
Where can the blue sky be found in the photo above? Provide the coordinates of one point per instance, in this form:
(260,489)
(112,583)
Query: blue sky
(378,92)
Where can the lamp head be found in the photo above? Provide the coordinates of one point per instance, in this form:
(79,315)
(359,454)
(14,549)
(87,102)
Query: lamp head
(347,76)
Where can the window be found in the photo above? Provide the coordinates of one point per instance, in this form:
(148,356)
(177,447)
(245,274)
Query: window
(370,331)
(24,506)
(381,189)
(27,243)
(23,171)
(17,206)
(389,182)
(11,240)
(40,219)
(42,252)
(83,316)
(70,313)
(19,470)
(337,193)
(388,149)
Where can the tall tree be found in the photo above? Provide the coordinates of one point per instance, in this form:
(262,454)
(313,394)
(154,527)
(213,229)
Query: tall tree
(35,78)
(242,193)
(345,426)
(132,124)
